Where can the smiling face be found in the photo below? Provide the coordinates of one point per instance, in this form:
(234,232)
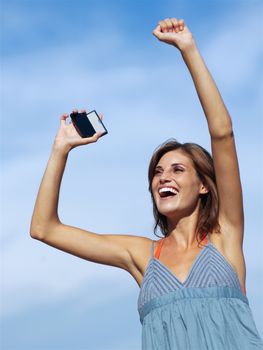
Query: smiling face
(176,187)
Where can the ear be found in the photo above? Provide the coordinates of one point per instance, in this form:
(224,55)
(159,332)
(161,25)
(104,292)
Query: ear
(203,189)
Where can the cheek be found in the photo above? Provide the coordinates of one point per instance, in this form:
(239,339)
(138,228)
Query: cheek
(154,191)
(192,191)
(153,185)
(155,195)
(190,186)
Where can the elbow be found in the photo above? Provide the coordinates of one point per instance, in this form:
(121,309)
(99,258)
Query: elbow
(36,227)
(222,130)
(39,230)
(36,232)
(222,135)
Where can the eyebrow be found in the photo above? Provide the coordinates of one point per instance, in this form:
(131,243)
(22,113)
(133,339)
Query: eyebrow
(174,164)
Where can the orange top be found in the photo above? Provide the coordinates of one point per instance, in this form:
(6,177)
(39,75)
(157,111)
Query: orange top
(159,247)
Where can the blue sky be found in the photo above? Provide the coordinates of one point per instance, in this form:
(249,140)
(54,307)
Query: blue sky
(57,55)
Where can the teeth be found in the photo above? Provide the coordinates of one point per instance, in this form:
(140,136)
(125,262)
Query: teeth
(168,189)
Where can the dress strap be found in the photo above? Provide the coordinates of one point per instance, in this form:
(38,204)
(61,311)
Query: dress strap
(159,247)
(205,241)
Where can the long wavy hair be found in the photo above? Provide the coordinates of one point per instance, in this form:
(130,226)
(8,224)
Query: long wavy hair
(204,167)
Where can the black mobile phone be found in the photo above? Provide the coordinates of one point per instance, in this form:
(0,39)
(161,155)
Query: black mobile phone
(87,124)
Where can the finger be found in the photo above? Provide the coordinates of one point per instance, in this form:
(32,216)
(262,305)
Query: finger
(175,25)
(157,32)
(63,118)
(169,24)
(101,116)
(97,135)
(175,22)
(91,139)
(163,26)
(75,110)
(83,111)
(181,24)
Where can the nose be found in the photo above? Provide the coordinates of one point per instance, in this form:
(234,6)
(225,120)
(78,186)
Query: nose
(164,178)
(163,181)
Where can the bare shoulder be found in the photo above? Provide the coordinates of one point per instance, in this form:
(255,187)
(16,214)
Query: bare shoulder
(140,251)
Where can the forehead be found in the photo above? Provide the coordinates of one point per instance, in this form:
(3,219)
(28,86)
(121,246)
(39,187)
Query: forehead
(175,156)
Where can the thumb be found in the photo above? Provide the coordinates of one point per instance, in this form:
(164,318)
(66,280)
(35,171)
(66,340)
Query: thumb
(91,139)
(157,32)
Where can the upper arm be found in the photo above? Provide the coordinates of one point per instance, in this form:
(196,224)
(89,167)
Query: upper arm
(228,183)
(109,249)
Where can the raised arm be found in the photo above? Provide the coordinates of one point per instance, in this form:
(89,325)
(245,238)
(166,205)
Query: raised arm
(176,33)
(115,250)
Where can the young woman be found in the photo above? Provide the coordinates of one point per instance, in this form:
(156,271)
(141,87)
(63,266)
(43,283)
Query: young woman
(192,280)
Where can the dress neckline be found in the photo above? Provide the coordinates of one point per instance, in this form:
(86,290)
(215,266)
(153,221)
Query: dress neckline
(196,259)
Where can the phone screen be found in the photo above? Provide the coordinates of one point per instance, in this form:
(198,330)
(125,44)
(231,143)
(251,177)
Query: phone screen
(88,124)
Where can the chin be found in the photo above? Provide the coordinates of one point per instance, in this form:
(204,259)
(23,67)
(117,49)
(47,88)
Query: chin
(166,211)
(173,210)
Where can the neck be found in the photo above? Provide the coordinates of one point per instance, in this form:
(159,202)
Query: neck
(182,229)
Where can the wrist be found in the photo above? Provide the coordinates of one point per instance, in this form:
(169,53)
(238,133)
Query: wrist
(61,148)
(189,48)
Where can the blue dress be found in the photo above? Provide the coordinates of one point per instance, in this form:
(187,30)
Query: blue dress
(208,311)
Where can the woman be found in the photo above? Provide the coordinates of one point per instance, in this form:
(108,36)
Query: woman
(193,280)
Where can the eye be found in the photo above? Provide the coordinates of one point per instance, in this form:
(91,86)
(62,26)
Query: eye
(156,172)
(177,169)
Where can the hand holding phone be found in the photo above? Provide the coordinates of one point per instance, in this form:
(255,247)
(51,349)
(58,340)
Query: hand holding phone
(87,124)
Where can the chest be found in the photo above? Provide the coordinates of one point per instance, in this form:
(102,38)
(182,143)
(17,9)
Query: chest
(200,265)
(180,263)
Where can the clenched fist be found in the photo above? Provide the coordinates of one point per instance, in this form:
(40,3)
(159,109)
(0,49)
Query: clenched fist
(174,32)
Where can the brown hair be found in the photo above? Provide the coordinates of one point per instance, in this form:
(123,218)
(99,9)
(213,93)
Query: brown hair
(203,164)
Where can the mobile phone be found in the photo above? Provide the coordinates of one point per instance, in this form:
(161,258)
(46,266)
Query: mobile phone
(87,124)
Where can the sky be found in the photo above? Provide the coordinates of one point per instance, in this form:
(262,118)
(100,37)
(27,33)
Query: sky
(63,54)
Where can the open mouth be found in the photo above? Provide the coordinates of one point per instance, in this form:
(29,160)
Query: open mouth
(167,192)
